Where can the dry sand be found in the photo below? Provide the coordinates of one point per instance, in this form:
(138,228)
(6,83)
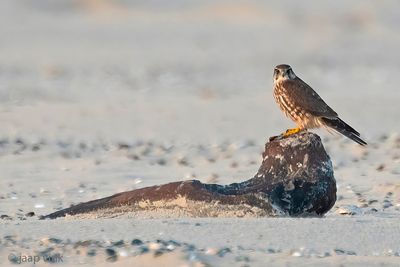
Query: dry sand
(100,97)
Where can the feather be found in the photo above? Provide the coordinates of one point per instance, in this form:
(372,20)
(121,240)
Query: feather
(341,127)
(305,97)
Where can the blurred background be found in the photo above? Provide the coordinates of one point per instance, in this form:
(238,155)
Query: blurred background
(118,94)
(191,70)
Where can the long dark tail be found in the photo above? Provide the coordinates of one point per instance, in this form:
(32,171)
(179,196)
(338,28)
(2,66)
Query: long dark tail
(341,127)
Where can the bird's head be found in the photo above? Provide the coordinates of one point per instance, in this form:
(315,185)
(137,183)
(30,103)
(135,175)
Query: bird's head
(283,72)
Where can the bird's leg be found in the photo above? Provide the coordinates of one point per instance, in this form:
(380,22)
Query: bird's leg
(291,131)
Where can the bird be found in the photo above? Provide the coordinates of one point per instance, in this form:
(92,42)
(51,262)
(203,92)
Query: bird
(305,107)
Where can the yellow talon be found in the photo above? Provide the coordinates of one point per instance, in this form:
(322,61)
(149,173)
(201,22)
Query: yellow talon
(291,131)
(288,132)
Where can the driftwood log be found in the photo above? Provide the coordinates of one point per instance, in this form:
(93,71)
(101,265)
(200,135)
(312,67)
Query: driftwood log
(295,179)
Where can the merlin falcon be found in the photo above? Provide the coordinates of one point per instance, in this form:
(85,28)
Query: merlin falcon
(305,107)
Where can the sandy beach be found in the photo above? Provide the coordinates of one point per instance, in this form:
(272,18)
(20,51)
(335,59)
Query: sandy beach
(101,97)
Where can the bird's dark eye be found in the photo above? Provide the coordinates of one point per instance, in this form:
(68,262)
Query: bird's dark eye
(276,72)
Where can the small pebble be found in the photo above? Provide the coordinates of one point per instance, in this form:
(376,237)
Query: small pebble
(223,251)
(162,162)
(123,146)
(136,242)
(35,147)
(234,164)
(144,250)
(339,251)
(297,254)
(84,243)
(91,252)
(344,252)
(380,168)
(162,242)
(158,253)
(43,191)
(362,200)
(211,160)
(348,210)
(241,258)
(189,247)
(154,246)
(119,243)
(174,243)
(387,204)
(5,217)
(14,259)
(211,251)
(55,240)
(388,252)
(50,240)
(123,253)
(170,247)
(324,255)
(112,255)
(133,157)
(183,161)
(10,238)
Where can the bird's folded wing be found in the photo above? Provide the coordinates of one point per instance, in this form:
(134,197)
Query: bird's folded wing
(306,98)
